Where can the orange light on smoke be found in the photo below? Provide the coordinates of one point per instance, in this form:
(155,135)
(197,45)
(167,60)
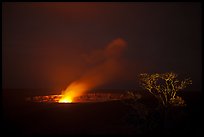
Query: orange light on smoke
(98,74)
(66,99)
(74,90)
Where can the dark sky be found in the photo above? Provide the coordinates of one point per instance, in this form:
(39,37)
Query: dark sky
(44,44)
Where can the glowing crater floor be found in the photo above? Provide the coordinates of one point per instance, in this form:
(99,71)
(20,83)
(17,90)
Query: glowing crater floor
(89,97)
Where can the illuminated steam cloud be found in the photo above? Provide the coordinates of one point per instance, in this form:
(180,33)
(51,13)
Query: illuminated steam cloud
(106,66)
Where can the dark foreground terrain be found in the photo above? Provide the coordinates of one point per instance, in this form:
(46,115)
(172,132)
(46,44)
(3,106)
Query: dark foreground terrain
(21,117)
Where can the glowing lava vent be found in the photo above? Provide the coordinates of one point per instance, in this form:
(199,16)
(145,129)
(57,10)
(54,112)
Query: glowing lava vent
(65,100)
(88,97)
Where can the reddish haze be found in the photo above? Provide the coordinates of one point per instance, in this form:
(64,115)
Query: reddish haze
(45,45)
(106,67)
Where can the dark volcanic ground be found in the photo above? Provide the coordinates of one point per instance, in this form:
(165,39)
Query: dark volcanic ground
(31,118)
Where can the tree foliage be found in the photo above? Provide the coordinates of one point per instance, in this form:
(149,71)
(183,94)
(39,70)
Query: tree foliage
(165,87)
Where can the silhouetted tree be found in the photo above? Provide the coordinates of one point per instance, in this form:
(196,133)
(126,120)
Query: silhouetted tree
(164,87)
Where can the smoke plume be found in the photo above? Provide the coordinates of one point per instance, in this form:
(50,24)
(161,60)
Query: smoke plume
(105,66)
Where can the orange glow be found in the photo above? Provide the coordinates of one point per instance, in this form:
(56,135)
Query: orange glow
(65,99)
(74,90)
(105,68)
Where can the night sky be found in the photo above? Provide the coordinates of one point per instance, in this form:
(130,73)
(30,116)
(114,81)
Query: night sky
(45,45)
